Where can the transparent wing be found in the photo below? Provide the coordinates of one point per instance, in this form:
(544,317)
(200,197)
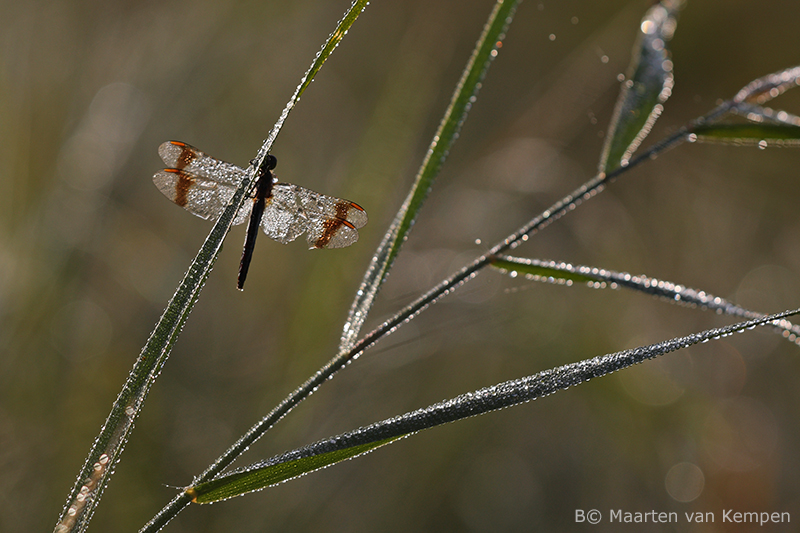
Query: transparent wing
(199,195)
(182,156)
(199,183)
(328,221)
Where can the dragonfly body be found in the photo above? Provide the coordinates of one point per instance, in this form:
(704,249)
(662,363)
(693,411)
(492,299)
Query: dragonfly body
(263,193)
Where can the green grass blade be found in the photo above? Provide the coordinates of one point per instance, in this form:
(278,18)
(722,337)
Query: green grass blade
(762,135)
(174,507)
(765,115)
(107,448)
(600,278)
(348,445)
(647,87)
(262,476)
(327,49)
(460,104)
(768,87)
(766,127)
(542,270)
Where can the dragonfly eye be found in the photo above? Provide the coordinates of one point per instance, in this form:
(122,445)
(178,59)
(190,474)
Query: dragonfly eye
(270,162)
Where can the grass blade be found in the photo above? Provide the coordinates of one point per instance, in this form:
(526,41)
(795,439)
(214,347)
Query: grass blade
(762,135)
(759,114)
(107,448)
(174,507)
(766,127)
(648,86)
(460,104)
(348,445)
(242,482)
(324,53)
(565,273)
(549,271)
(768,87)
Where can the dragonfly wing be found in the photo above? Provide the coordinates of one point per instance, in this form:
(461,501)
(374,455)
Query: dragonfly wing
(283,220)
(329,222)
(182,156)
(201,196)
(198,182)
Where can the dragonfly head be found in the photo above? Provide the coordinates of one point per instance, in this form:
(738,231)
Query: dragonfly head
(270,162)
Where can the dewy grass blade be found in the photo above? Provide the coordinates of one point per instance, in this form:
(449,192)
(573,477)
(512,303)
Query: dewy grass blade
(244,481)
(460,104)
(768,87)
(107,447)
(766,126)
(348,445)
(566,273)
(749,134)
(174,507)
(765,115)
(549,271)
(327,49)
(647,87)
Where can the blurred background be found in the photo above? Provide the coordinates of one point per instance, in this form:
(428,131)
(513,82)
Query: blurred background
(90,252)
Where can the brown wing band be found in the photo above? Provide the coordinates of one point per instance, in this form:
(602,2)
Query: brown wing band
(182,186)
(332,225)
(187,155)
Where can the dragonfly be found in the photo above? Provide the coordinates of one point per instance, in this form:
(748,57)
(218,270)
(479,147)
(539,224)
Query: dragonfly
(204,186)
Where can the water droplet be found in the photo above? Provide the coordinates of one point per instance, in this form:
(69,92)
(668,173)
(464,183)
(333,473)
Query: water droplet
(648,27)
(552,37)
(762,144)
